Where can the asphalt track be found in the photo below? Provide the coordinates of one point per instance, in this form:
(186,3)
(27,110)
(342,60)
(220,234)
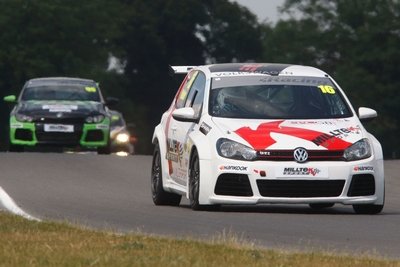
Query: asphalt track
(112,192)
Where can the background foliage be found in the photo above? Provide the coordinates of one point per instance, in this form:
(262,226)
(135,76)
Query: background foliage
(357,42)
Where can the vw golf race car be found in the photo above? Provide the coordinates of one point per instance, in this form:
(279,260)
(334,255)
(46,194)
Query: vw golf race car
(247,134)
(64,112)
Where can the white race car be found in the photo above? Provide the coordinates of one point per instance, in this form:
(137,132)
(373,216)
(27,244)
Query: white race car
(245,134)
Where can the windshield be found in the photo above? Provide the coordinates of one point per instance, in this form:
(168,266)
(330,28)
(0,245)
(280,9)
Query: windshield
(276,98)
(116,121)
(61,92)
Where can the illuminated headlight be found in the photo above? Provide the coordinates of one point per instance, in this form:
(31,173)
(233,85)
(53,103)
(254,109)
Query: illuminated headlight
(23,118)
(359,150)
(230,149)
(94,119)
(122,138)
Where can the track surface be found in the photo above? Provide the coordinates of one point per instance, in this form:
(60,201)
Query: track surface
(113,192)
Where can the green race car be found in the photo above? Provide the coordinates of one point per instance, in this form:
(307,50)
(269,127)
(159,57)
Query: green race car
(65,112)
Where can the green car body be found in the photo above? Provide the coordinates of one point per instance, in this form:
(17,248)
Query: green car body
(66,112)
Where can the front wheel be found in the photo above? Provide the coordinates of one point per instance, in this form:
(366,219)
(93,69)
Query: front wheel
(194,186)
(160,197)
(105,150)
(15,148)
(367,209)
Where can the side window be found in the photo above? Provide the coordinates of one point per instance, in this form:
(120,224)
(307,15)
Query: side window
(196,94)
(183,96)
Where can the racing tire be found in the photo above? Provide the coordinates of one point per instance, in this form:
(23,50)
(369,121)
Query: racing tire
(104,150)
(367,209)
(194,186)
(159,195)
(321,205)
(15,148)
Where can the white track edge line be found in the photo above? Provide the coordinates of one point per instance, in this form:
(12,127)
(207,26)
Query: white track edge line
(10,205)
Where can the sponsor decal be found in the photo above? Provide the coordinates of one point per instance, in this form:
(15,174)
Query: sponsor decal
(204,128)
(16,125)
(102,126)
(181,173)
(312,122)
(175,151)
(363,168)
(59,128)
(299,172)
(238,168)
(53,107)
(294,80)
(60,110)
(260,139)
(338,133)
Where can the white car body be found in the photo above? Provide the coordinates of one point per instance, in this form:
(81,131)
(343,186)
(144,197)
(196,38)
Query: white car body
(263,168)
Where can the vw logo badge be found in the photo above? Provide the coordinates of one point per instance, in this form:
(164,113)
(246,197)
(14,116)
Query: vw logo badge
(59,115)
(300,155)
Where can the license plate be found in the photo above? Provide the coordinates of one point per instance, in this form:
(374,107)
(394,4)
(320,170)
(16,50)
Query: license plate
(61,128)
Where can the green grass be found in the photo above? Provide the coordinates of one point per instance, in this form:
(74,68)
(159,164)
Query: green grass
(31,243)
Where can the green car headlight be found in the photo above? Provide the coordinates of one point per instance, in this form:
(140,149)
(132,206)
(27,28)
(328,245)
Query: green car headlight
(23,118)
(95,119)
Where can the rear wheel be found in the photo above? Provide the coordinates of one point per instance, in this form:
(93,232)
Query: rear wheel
(367,209)
(160,197)
(321,205)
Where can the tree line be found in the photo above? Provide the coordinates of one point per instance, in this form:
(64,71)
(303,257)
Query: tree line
(357,42)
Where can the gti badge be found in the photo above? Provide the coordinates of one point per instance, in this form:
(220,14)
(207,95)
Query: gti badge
(300,155)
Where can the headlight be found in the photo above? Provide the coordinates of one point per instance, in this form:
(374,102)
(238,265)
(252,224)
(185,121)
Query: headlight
(122,138)
(359,150)
(230,149)
(23,118)
(94,119)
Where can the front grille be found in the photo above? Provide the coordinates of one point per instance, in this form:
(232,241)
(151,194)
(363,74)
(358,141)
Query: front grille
(94,136)
(24,134)
(362,185)
(229,184)
(54,137)
(59,120)
(300,188)
(313,155)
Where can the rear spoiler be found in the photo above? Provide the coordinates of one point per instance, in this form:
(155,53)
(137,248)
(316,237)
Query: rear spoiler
(180,69)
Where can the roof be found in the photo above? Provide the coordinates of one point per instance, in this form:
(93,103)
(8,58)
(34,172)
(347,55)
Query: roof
(271,69)
(60,80)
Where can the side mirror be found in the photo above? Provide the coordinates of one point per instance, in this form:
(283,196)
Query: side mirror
(10,98)
(184,114)
(366,114)
(110,101)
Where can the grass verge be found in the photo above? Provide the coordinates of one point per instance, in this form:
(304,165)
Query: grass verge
(31,243)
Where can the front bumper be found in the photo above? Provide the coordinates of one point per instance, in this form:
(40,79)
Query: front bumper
(240,182)
(59,133)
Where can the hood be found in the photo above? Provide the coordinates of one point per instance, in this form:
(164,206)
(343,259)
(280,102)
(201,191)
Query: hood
(324,134)
(53,108)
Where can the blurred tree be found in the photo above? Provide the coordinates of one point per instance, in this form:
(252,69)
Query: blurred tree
(191,32)
(357,42)
(53,38)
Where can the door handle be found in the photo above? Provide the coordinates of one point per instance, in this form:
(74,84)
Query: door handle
(174,128)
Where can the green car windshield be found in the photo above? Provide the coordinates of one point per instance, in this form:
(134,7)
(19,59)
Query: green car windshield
(61,92)
(277,98)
